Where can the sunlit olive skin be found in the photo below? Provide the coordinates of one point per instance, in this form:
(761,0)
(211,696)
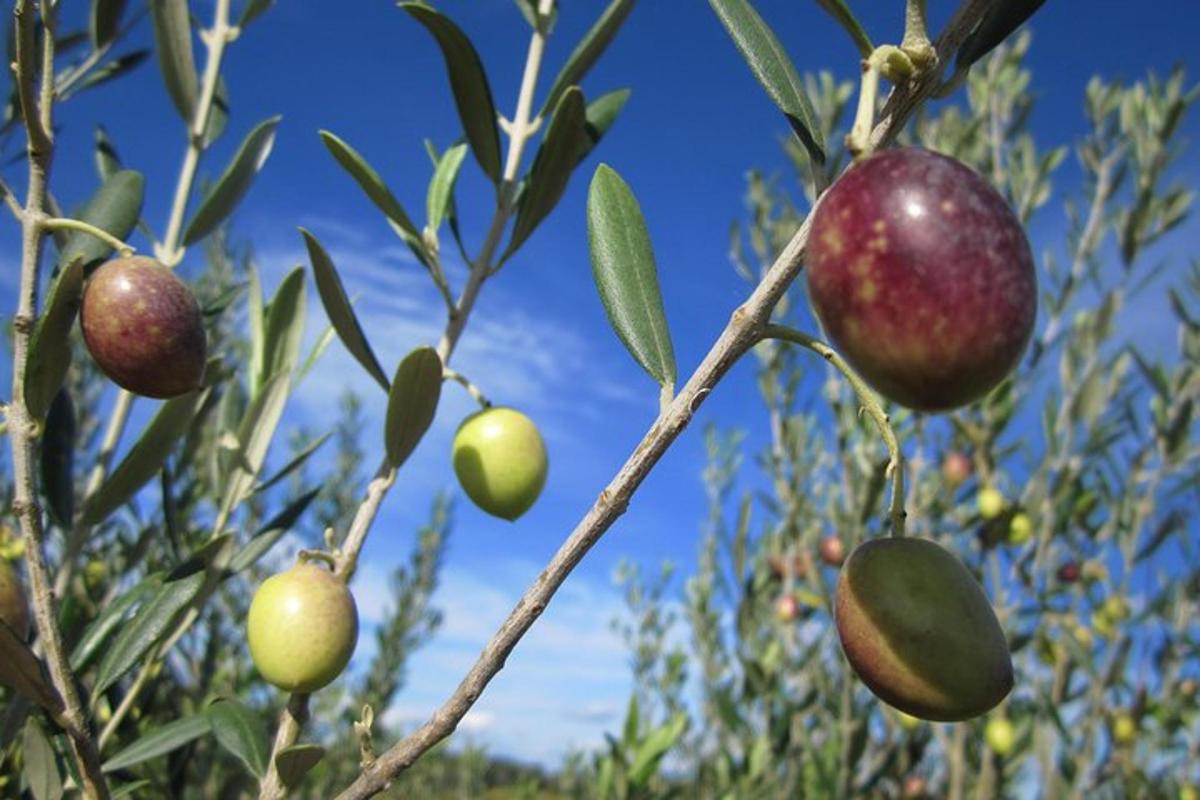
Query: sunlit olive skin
(501,462)
(14,607)
(922,277)
(918,629)
(143,327)
(302,628)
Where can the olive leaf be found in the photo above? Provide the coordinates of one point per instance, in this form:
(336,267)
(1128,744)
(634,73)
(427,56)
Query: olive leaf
(551,170)
(114,208)
(41,765)
(601,114)
(240,731)
(589,49)
(254,436)
(773,69)
(625,273)
(377,191)
(23,672)
(845,17)
(146,457)
(340,312)
(271,531)
(57,460)
(50,346)
(412,403)
(160,741)
(284,327)
(108,162)
(148,626)
(233,184)
(105,21)
(441,187)
(113,614)
(293,763)
(469,84)
(252,10)
(999,21)
(173,40)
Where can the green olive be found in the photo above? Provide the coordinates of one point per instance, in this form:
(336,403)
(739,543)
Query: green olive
(302,628)
(500,460)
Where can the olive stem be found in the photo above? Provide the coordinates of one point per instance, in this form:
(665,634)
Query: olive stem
(450,375)
(870,404)
(37,100)
(887,61)
(68,224)
(291,721)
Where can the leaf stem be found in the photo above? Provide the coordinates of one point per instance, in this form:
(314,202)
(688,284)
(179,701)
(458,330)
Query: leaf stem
(68,224)
(870,403)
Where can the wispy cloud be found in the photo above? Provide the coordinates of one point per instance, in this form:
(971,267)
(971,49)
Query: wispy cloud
(564,686)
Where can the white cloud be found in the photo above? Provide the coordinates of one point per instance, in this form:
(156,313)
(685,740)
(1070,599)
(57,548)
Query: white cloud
(566,683)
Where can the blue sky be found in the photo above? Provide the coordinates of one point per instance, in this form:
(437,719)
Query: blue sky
(696,122)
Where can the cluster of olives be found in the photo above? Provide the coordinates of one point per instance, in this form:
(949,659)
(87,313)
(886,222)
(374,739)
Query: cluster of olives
(144,329)
(923,279)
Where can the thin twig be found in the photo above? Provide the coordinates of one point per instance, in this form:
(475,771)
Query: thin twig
(22,428)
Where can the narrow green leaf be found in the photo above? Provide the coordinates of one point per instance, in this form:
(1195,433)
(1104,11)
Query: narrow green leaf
(318,349)
(272,531)
(105,21)
(128,789)
(625,274)
(160,741)
(1000,21)
(173,41)
(218,115)
(233,184)
(551,170)
(108,162)
(41,766)
(601,114)
(241,732)
(412,403)
(50,346)
(293,763)
(146,457)
(378,192)
(589,49)
(293,465)
(114,208)
(109,71)
(650,754)
(252,10)
(773,69)
(845,17)
(285,326)
(441,186)
(1170,523)
(254,437)
(22,671)
(340,312)
(113,614)
(256,316)
(469,83)
(57,462)
(149,625)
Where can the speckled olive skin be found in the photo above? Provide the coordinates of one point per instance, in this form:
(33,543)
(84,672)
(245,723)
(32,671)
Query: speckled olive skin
(500,460)
(922,277)
(143,327)
(302,628)
(917,628)
(14,607)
